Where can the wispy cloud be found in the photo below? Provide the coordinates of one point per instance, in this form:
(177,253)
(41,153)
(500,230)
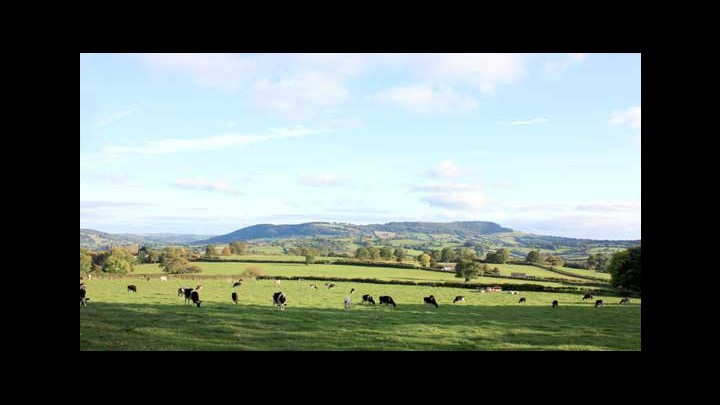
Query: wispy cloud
(321,180)
(211,143)
(425,98)
(530,121)
(442,187)
(110,118)
(447,169)
(568,61)
(464,201)
(206,185)
(630,118)
(108,204)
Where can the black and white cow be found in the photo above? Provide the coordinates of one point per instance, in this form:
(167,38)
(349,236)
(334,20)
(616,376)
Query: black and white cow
(280,300)
(235,297)
(352,291)
(236,285)
(83,296)
(195,298)
(431,301)
(555,304)
(313,287)
(185,292)
(625,301)
(387,300)
(587,297)
(368,298)
(459,298)
(132,288)
(522,300)
(598,303)
(348,302)
(330,286)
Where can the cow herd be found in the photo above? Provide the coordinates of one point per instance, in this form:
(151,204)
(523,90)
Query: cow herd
(279,299)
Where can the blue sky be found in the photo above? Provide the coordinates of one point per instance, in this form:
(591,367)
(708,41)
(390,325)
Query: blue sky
(210,143)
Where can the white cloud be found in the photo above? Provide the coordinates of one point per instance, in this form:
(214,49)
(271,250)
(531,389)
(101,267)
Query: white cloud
(560,65)
(629,118)
(482,71)
(206,185)
(442,187)
(110,118)
(530,121)
(321,180)
(211,143)
(300,96)
(447,169)
(425,98)
(464,201)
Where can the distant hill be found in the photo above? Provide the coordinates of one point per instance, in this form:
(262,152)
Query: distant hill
(314,229)
(92,239)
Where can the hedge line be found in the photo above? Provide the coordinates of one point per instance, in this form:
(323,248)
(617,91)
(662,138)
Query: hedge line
(565,273)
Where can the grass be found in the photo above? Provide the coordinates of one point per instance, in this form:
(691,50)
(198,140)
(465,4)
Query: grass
(155,319)
(582,272)
(330,270)
(508,269)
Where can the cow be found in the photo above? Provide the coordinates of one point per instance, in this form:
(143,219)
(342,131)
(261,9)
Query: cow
(83,296)
(348,302)
(163,279)
(279,299)
(431,301)
(598,303)
(330,286)
(199,288)
(625,301)
(195,298)
(587,297)
(89,276)
(387,300)
(147,278)
(276,282)
(236,285)
(185,292)
(352,291)
(459,298)
(368,298)
(522,300)
(555,304)
(235,297)
(132,288)
(313,287)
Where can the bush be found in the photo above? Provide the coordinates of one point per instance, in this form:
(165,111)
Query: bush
(252,272)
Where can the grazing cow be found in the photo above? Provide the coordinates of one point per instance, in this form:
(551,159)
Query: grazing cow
(459,298)
(279,299)
(313,287)
(368,298)
(132,288)
(598,303)
(330,286)
(235,297)
(348,302)
(555,304)
(625,301)
(387,300)
(431,301)
(199,288)
(352,291)
(236,285)
(83,298)
(587,297)
(522,300)
(163,279)
(147,278)
(89,276)
(195,298)
(186,292)
(276,282)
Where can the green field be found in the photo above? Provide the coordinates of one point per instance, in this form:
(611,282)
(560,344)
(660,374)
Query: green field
(329,270)
(156,319)
(508,269)
(587,273)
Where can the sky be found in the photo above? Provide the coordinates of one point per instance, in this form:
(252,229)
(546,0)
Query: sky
(210,143)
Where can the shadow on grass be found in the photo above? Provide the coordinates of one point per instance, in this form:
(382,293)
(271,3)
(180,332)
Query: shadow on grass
(220,326)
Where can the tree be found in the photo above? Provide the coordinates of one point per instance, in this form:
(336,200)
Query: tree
(447,255)
(424,259)
(534,257)
(399,254)
(210,251)
(468,269)
(174,263)
(463,253)
(119,262)
(374,253)
(309,258)
(624,269)
(386,253)
(555,261)
(226,251)
(85,261)
(239,248)
(501,256)
(362,253)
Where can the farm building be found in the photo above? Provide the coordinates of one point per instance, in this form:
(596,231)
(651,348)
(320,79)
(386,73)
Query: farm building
(494,289)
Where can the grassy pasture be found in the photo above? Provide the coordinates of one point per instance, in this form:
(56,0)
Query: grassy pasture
(156,319)
(329,270)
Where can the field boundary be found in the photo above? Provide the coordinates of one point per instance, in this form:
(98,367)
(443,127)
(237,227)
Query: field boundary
(565,273)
